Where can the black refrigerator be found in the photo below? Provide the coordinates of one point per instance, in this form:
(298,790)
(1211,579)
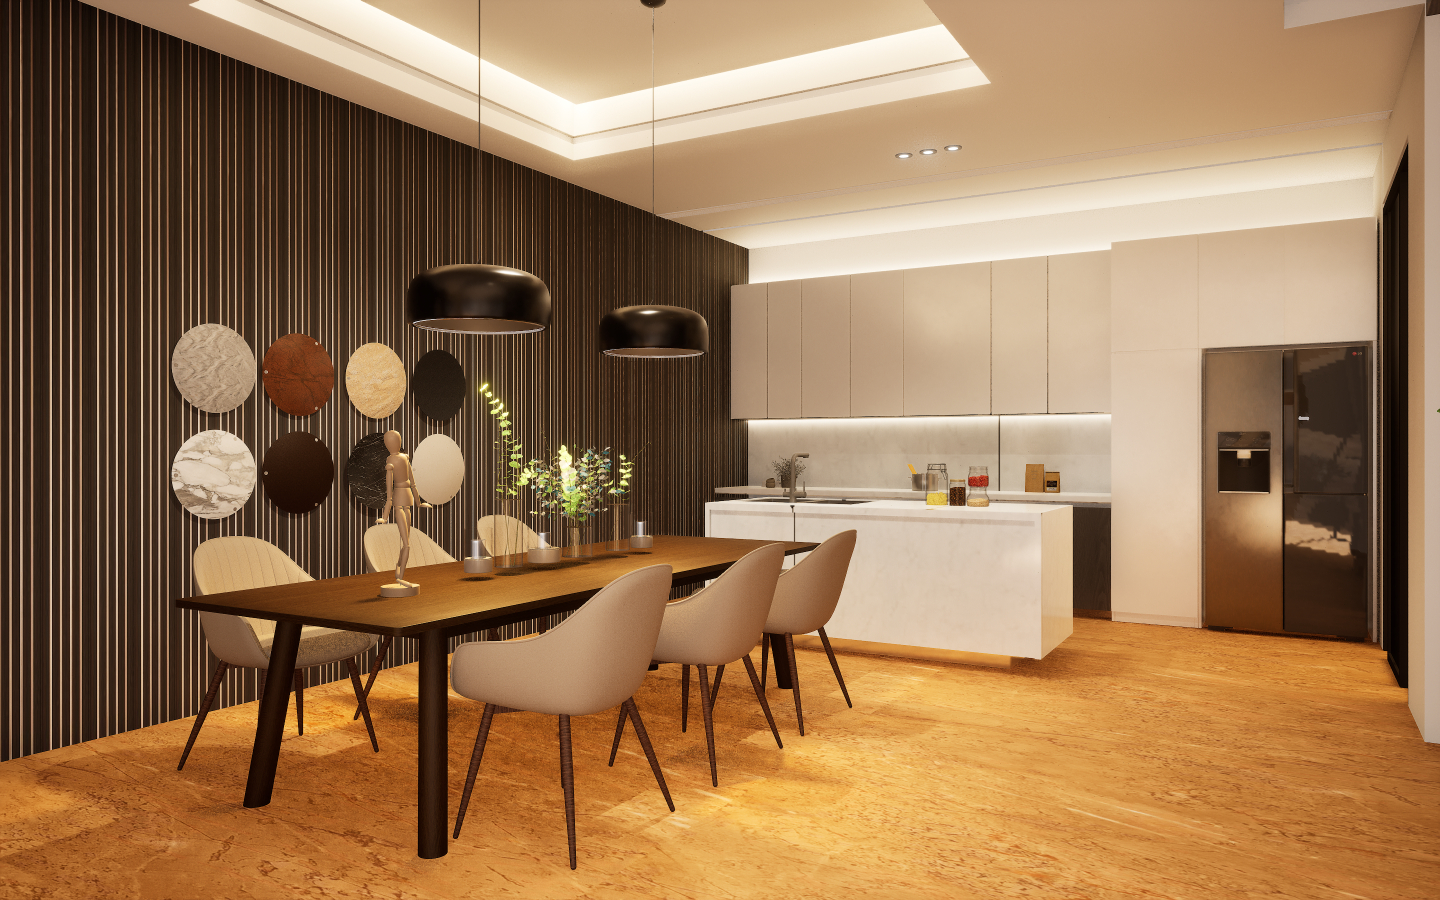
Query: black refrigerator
(1286,482)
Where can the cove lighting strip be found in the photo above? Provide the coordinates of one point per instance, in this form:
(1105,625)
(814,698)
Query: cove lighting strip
(365,40)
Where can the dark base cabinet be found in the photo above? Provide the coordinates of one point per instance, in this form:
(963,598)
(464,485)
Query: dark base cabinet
(1092,558)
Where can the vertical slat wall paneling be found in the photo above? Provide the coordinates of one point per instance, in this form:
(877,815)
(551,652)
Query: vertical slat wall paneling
(947,340)
(749,347)
(150,186)
(785,350)
(1018,323)
(1080,332)
(825,347)
(877,344)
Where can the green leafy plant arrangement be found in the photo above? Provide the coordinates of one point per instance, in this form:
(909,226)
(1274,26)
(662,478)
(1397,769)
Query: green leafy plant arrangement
(573,487)
(508,466)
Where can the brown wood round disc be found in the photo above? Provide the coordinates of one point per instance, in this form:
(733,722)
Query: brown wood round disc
(298,374)
(297,472)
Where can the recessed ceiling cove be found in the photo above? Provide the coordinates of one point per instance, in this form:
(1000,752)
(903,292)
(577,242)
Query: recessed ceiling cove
(439,385)
(213,368)
(375,380)
(439,469)
(213,474)
(298,472)
(298,374)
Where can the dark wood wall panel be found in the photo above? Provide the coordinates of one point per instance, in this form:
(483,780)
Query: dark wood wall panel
(151,186)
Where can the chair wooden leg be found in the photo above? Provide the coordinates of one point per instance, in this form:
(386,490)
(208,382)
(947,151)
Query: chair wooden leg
(684,696)
(204,710)
(619,733)
(364,704)
(795,681)
(300,700)
(709,722)
(259,683)
(374,670)
(764,658)
(492,634)
(836,667)
(567,781)
(640,732)
(475,756)
(760,695)
(715,688)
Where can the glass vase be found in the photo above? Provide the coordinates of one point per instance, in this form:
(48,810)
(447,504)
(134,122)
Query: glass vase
(619,527)
(577,542)
(979,486)
(507,544)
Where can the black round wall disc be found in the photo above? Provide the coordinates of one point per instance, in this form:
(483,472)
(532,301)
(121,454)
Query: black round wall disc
(365,470)
(439,385)
(298,472)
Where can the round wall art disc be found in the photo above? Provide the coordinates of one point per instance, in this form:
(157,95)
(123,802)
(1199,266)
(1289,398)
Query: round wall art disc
(298,374)
(375,380)
(213,474)
(213,368)
(298,472)
(439,468)
(439,385)
(365,470)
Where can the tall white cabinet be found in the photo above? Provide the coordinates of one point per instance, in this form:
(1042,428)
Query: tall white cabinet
(1016,336)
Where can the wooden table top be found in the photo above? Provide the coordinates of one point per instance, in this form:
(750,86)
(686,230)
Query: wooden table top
(456,602)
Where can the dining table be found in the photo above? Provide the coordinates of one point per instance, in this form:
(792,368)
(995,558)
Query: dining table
(450,602)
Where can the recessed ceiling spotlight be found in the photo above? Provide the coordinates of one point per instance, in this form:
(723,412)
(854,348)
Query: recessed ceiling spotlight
(952,147)
(903,155)
(927,152)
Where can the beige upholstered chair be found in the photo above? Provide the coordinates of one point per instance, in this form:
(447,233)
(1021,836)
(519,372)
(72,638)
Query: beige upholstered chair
(715,626)
(506,535)
(805,600)
(240,563)
(382,553)
(591,662)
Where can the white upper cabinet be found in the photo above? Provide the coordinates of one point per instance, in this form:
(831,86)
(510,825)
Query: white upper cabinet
(877,344)
(1018,322)
(1079,335)
(825,347)
(749,354)
(947,340)
(784,350)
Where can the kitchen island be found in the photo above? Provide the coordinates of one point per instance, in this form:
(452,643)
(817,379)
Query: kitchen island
(992,582)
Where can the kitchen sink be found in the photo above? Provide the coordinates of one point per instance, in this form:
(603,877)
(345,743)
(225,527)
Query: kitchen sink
(826,501)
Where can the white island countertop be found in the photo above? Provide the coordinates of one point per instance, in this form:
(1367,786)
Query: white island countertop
(993,580)
(1073,498)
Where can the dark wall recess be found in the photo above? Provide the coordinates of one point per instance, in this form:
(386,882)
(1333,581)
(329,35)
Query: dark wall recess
(150,186)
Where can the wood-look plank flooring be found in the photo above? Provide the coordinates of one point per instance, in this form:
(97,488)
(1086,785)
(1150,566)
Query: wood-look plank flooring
(1135,762)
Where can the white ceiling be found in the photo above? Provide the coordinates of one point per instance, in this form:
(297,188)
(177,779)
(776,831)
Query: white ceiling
(1060,107)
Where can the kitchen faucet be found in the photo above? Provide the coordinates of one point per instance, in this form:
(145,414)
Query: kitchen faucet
(795,476)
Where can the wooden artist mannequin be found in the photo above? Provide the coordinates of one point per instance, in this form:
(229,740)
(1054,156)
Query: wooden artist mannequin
(399,493)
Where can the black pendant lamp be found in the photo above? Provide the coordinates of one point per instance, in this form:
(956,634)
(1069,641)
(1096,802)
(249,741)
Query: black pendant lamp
(653,331)
(475,298)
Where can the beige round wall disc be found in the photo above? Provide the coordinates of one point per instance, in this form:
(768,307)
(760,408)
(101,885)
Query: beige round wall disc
(375,380)
(439,469)
(213,474)
(213,368)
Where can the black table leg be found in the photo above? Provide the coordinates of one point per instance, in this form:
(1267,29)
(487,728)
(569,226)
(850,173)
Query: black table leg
(781,659)
(434,793)
(273,704)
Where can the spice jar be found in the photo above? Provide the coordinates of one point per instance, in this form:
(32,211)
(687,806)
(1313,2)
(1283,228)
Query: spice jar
(936,480)
(979,486)
(957,492)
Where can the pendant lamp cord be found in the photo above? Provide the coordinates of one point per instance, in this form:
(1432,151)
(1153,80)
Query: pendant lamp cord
(654,264)
(480,128)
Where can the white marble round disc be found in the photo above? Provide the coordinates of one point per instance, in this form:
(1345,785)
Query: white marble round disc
(439,469)
(213,474)
(375,380)
(213,367)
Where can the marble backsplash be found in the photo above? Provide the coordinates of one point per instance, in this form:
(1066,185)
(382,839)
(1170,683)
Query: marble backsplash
(873,452)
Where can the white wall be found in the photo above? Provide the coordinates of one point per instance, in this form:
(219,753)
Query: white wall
(1170,299)
(872,452)
(1070,232)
